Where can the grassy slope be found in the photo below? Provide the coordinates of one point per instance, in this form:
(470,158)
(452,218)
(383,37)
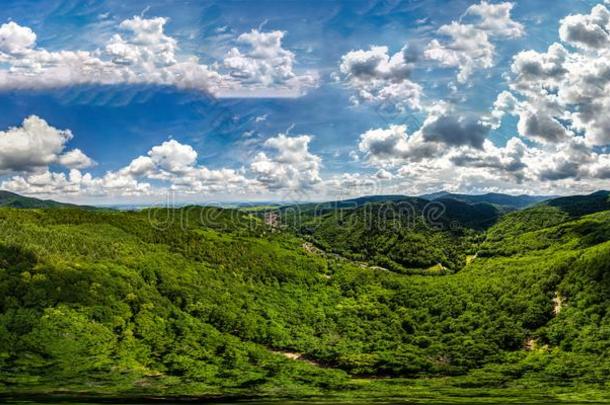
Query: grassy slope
(134,303)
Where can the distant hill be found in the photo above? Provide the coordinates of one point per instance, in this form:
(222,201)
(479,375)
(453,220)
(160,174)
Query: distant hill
(506,201)
(327,206)
(403,234)
(12,200)
(579,205)
(549,213)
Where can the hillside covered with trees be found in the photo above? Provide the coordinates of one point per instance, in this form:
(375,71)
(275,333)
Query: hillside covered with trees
(215,302)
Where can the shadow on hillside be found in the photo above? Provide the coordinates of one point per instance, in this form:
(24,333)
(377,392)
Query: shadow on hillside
(16,258)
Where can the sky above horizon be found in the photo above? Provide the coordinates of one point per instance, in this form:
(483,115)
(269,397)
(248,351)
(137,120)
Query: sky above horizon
(140,102)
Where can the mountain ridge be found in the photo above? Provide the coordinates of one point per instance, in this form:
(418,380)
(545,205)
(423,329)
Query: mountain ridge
(14,200)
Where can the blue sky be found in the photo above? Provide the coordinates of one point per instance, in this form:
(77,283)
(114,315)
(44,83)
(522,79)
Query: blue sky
(115,101)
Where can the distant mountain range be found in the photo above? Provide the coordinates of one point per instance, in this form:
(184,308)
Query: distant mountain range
(505,201)
(574,205)
(579,205)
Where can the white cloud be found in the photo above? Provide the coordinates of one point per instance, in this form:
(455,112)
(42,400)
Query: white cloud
(535,71)
(261,118)
(505,103)
(27,151)
(75,159)
(392,145)
(265,63)
(76,184)
(377,77)
(35,145)
(514,168)
(587,31)
(565,92)
(15,39)
(540,126)
(451,151)
(140,166)
(171,162)
(173,157)
(470,47)
(496,19)
(142,53)
(383,174)
(501,161)
(176,164)
(450,127)
(443,129)
(290,166)
(147,45)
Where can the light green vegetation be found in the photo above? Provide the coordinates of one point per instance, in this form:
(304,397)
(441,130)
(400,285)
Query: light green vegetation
(206,302)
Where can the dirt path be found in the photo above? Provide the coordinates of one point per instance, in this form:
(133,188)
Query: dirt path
(296,357)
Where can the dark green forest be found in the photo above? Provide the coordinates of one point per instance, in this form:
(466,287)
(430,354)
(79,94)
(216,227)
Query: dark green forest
(379,298)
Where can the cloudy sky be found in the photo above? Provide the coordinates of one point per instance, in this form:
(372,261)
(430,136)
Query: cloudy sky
(121,102)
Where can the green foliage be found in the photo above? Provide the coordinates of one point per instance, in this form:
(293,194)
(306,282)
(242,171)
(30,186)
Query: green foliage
(206,301)
(406,235)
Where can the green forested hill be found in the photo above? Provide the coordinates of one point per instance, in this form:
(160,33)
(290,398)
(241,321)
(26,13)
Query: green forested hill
(209,301)
(8,199)
(405,235)
(504,201)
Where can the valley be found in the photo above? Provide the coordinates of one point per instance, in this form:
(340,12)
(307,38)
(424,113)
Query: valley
(377,299)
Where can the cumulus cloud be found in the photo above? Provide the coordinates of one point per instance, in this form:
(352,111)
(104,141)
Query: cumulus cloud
(171,162)
(26,153)
(565,91)
(570,160)
(468,50)
(75,183)
(392,145)
(469,162)
(383,174)
(378,77)
(447,126)
(587,31)
(505,103)
(176,163)
(173,157)
(265,63)
(142,53)
(290,165)
(443,129)
(499,160)
(35,145)
(515,168)
(75,159)
(470,46)
(495,19)
(536,71)
(541,126)
(15,39)
(405,163)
